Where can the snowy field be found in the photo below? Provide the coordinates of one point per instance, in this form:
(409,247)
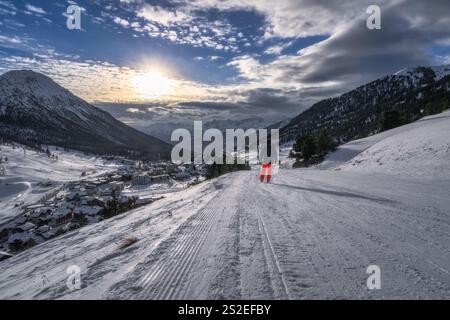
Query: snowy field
(31,175)
(311,234)
(421,148)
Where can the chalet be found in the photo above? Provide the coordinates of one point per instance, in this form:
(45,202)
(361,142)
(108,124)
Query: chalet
(126,201)
(93,201)
(182,175)
(71,226)
(117,186)
(61,216)
(43,229)
(49,234)
(156,171)
(161,178)
(141,180)
(25,227)
(171,168)
(37,213)
(20,240)
(76,195)
(88,211)
(104,191)
(20,220)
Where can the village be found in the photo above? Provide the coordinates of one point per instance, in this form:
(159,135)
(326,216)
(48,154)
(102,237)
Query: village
(93,198)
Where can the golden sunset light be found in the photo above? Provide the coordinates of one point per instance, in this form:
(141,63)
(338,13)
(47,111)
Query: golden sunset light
(152,84)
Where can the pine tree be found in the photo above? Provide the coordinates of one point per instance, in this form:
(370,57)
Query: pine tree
(308,148)
(389,120)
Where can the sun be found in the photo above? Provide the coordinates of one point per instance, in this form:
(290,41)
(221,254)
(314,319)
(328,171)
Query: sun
(152,84)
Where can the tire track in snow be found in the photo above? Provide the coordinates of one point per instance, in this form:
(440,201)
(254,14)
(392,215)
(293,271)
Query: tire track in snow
(304,255)
(166,268)
(175,257)
(275,270)
(276,273)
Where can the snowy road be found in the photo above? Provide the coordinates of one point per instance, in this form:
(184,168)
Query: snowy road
(311,234)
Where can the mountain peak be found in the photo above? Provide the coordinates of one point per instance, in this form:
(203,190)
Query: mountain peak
(33,82)
(25,77)
(439,71)
(35,110)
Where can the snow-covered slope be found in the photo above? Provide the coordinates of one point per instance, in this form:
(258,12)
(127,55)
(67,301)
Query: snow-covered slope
(96,249)
(310,234)
(420,149)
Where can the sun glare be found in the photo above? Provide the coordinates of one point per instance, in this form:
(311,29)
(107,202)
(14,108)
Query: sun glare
(152,85)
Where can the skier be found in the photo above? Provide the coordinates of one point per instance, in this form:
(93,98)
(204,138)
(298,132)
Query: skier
(266,171)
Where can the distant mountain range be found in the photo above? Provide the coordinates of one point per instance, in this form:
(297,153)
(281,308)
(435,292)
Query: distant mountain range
(35,110)
(163,130)
(413,93)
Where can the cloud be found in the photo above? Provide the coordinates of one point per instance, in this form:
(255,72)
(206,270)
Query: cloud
(248,67)
(354,55)
(163,16)
(7,8)
(214,58)
(134,110)
(278,49)
(121,21)
(183,25)
(293,18)
(11,40)
(35,9)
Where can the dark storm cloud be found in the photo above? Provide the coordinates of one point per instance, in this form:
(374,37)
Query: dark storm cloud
(355,54)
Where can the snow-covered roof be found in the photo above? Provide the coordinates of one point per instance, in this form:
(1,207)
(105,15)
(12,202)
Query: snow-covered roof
(61,212)
(90,211)
(48,234)
(76,194)
(43,228)
(20,220)
(26,226)
(21,236)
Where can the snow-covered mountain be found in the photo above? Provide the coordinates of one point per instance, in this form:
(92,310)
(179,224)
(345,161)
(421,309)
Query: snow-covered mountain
(413,93)
(36,110)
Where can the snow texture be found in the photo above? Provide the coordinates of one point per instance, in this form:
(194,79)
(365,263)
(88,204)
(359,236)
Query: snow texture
(311,234)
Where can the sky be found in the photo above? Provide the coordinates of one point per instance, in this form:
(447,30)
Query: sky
(161,61)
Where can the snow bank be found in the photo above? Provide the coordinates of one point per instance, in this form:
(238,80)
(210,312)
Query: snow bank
(421,149)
